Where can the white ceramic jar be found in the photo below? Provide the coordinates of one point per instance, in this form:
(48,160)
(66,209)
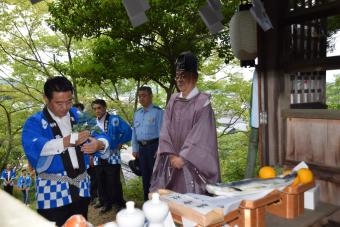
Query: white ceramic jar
(155,211)
(110,224)
(130,217)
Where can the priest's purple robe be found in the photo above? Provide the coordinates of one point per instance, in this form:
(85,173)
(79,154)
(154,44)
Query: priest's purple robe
(188,131)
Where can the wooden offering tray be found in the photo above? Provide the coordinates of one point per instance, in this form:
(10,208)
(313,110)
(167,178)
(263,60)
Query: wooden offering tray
(249,214)
(181,205)
(252,212)
(291,203)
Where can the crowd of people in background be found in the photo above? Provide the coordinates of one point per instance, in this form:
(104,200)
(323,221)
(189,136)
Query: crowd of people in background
(174,149)
(24,182)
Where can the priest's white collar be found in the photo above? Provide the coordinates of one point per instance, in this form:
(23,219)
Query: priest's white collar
(192,93)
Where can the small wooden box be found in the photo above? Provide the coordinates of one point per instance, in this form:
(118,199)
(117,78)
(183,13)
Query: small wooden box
(291,203)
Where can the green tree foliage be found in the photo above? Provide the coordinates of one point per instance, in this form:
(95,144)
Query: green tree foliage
(147,52)
(14,108)
(231,101)
(333,94)
(233,156)
(29,47)
(113,63)
(230,93)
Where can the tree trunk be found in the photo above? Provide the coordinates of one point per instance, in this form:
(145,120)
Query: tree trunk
(9,137)
(75,90)
(68,42)
(136,96)
(170,90)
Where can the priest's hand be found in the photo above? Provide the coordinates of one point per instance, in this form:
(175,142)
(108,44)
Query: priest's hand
(176,161)
(92,146)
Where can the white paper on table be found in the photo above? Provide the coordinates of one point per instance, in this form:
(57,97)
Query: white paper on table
(188,201)
(301,165)
(228,203)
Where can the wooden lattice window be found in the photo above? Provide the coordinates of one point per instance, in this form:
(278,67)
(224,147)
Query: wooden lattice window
(306,29)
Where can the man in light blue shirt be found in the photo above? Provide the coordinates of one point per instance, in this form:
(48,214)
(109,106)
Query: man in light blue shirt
(147,123)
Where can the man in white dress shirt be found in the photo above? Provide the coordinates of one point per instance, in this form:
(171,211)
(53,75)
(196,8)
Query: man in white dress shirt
(59,156)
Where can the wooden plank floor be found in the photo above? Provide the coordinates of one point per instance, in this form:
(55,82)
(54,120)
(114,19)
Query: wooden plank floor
(309,218)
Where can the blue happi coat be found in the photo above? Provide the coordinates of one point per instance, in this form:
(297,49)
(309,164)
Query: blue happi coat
(50,194)
(118,132)
(24,182)
(11,177)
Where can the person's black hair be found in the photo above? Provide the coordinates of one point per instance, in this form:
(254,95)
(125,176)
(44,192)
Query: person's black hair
(99,102)
(146,88)
(57,84)
(79,106)
(23,170)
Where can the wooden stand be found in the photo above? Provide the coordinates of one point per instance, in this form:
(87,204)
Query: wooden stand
(291,203)
(249,214)
(252,213)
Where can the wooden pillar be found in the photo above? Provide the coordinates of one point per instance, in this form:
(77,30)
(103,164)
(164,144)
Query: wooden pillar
(270,46)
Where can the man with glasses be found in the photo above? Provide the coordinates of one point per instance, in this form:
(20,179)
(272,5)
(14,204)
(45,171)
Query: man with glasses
(60,156)
(187,157)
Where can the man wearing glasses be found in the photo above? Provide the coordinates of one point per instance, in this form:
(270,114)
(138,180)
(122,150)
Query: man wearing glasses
(187,157)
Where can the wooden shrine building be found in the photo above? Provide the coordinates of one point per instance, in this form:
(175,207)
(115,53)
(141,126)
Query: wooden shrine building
(296,124)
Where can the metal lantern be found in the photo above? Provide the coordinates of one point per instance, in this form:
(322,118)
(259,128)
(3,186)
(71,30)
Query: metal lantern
(243,35)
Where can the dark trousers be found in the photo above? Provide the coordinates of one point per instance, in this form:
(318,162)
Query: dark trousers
(147,160)
(59,215)
(25,196)
(110,191)
(94,185)
(9,189)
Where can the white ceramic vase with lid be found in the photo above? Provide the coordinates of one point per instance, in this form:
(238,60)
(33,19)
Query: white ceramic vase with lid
(155,211)
(130,217)
(110,224)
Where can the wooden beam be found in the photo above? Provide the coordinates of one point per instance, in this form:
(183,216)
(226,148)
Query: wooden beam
(311,114)
(305,14)
(309,65)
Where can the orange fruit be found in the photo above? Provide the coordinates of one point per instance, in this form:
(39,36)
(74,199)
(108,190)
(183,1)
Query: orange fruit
(76,220)
(305,175)
(296,181)
(267,172)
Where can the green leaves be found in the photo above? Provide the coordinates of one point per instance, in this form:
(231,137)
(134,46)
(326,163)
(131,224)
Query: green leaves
(145,53)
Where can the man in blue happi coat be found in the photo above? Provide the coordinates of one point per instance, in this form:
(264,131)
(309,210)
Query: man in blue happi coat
(8,177)
(24,184)
(60,156)
(108,165)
